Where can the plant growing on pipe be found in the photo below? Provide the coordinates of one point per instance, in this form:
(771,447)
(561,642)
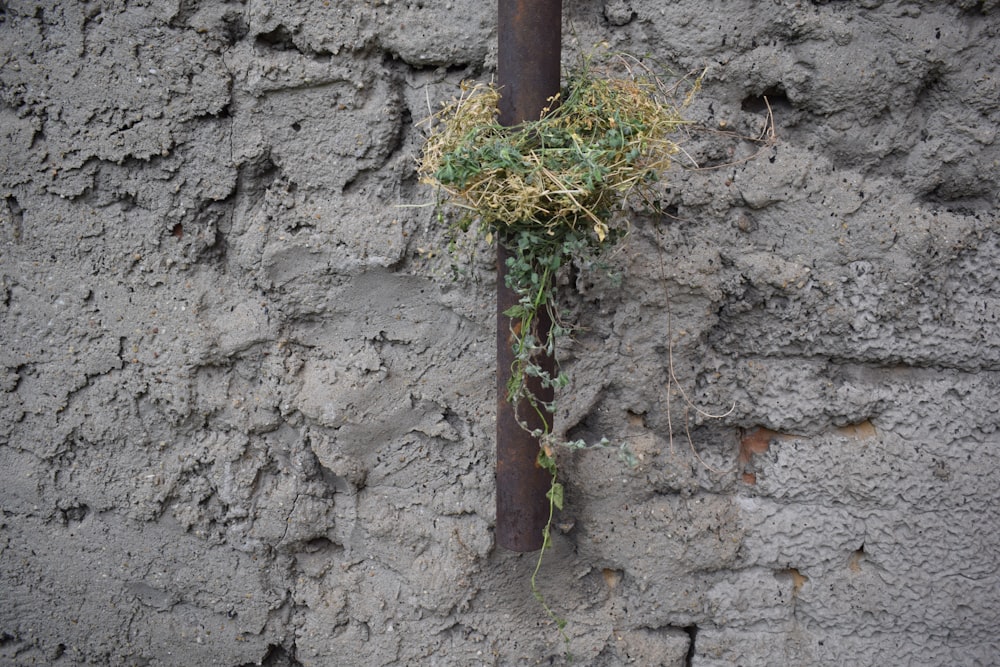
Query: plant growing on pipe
(553,191)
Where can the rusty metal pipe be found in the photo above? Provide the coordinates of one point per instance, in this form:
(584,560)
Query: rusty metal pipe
(529,36)
(529,44)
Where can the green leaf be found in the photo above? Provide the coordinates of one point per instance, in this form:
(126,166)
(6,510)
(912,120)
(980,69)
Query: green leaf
(515,312)
(555,494)
(626,456)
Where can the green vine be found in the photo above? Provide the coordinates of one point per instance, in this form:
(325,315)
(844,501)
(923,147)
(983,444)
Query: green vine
(552,191)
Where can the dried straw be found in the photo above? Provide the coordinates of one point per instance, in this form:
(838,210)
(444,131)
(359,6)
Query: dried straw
(604,141)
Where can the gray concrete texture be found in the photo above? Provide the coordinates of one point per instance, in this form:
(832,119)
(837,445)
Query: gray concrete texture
(248,397)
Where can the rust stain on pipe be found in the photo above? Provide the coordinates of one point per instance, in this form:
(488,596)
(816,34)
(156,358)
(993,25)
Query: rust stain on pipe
(528,69)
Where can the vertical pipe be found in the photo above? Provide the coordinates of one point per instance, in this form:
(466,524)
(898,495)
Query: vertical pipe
(529,35)
(529,44)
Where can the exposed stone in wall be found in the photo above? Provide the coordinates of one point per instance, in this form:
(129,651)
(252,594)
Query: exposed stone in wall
(248,398)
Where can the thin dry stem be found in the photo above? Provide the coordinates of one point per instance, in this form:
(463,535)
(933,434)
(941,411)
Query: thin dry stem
(673,382)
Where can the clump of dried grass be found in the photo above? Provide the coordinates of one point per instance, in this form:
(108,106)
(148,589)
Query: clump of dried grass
(604,138)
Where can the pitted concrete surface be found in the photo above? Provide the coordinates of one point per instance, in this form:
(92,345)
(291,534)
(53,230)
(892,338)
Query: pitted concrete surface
(248,396)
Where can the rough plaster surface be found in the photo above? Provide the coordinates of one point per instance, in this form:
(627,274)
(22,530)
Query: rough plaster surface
(247,415)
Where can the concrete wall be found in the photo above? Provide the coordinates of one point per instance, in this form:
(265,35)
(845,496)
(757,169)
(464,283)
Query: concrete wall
(247,414)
